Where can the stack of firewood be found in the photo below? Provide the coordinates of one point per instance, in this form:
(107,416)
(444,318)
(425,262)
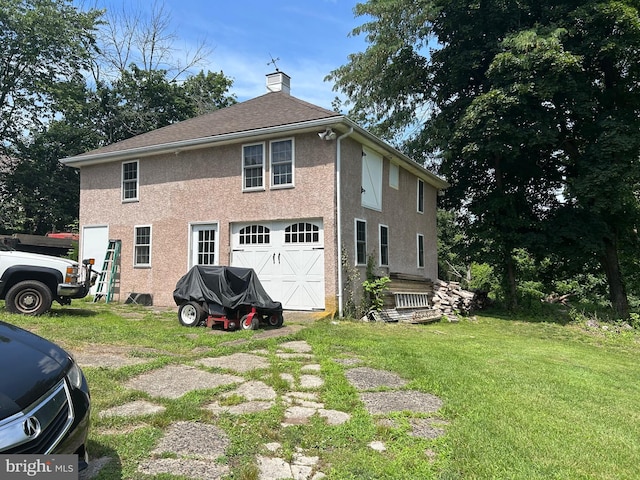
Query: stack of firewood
(449,298)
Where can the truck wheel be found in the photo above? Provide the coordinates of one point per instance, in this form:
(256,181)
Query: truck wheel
(190,314)
(29,297)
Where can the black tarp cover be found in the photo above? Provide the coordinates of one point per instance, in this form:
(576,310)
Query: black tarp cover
(229,287)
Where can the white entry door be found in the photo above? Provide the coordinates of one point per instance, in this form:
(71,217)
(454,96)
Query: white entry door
(95,241)
(288,258)
(204,244)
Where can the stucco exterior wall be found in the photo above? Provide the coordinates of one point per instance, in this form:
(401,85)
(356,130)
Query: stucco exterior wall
(399,213)
(205,186)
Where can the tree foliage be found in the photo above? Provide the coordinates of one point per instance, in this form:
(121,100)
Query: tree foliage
(43,43)
(532,117)
(64,93)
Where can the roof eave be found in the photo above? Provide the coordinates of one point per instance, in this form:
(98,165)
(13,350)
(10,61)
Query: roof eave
(180,146)
(395,154)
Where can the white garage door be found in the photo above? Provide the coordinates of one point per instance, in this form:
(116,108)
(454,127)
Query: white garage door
(288,258)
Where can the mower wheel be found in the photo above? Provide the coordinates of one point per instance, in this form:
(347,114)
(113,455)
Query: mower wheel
(190,314)
(276,320)
(249,324)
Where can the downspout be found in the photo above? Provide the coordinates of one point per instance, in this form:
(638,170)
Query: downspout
(339,215)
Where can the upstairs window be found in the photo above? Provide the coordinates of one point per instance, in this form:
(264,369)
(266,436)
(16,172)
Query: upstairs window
(130,181)
(253,167)
(142,246)
(394,176)
(420,199)
(282,163)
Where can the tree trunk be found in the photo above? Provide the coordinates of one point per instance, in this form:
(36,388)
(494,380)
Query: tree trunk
(511,282)
(617,291)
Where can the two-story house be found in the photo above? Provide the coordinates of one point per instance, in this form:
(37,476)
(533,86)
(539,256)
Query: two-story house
(273,183)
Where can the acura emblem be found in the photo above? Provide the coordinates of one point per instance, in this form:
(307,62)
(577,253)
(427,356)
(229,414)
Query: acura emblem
(31,427)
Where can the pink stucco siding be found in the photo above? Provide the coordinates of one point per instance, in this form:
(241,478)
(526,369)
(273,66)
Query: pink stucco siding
(204,186)
(399,213)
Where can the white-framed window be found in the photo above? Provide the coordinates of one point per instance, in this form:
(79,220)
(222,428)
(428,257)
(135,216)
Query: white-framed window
(204,243)
(420,196)
(302,232)
(282,163)
(361,242)
(142,246)
(383,240)
(253,167)
(255,235)
(130,181)
(394,175)
(420,248)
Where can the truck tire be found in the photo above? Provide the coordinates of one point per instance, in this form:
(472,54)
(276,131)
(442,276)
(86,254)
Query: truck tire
(29,297)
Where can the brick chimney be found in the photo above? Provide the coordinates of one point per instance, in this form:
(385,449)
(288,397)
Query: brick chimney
(279,82)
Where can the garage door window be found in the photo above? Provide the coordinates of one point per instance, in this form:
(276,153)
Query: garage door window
(254,235)
(302,232)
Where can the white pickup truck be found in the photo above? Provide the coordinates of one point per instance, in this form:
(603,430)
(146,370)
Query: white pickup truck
(29,282)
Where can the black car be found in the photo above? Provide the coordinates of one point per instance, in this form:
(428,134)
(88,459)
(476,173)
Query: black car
(44,397)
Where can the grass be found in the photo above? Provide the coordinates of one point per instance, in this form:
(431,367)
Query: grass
(522,399)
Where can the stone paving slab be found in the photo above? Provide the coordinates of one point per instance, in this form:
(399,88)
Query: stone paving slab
(194,439)
(240,409)
(174,381)
(253,390)
(193,469)
(365,378)
(238,362)
(398,401)
(132,409)
(299,346)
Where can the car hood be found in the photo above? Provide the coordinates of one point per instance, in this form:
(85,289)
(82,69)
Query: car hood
(31,366)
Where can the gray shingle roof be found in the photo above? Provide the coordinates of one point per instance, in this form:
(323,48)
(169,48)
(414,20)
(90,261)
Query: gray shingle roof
(269,110)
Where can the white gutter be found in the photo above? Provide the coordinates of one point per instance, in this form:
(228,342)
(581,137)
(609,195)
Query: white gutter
(339,216)
(183,145)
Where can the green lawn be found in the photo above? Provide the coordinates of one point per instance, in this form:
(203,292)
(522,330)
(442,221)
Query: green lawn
(522,400)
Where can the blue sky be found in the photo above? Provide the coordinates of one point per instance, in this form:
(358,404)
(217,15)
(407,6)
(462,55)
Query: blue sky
(310,37)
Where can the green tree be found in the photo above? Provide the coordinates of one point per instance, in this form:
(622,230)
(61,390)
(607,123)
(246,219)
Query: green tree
(532,116)
(43,43)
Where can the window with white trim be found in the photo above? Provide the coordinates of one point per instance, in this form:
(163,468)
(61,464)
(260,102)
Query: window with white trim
(302,232)
(282,163)
(394,175)
(253,167)
(254,235)
(384,245)
(142,246)
(206,246)
(361,242)
(420,199)
(130,181)
(420,251)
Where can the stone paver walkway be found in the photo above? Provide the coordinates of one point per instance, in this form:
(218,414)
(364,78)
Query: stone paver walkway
(194,449)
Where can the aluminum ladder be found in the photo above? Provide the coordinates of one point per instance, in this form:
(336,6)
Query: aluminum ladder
(109,274)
